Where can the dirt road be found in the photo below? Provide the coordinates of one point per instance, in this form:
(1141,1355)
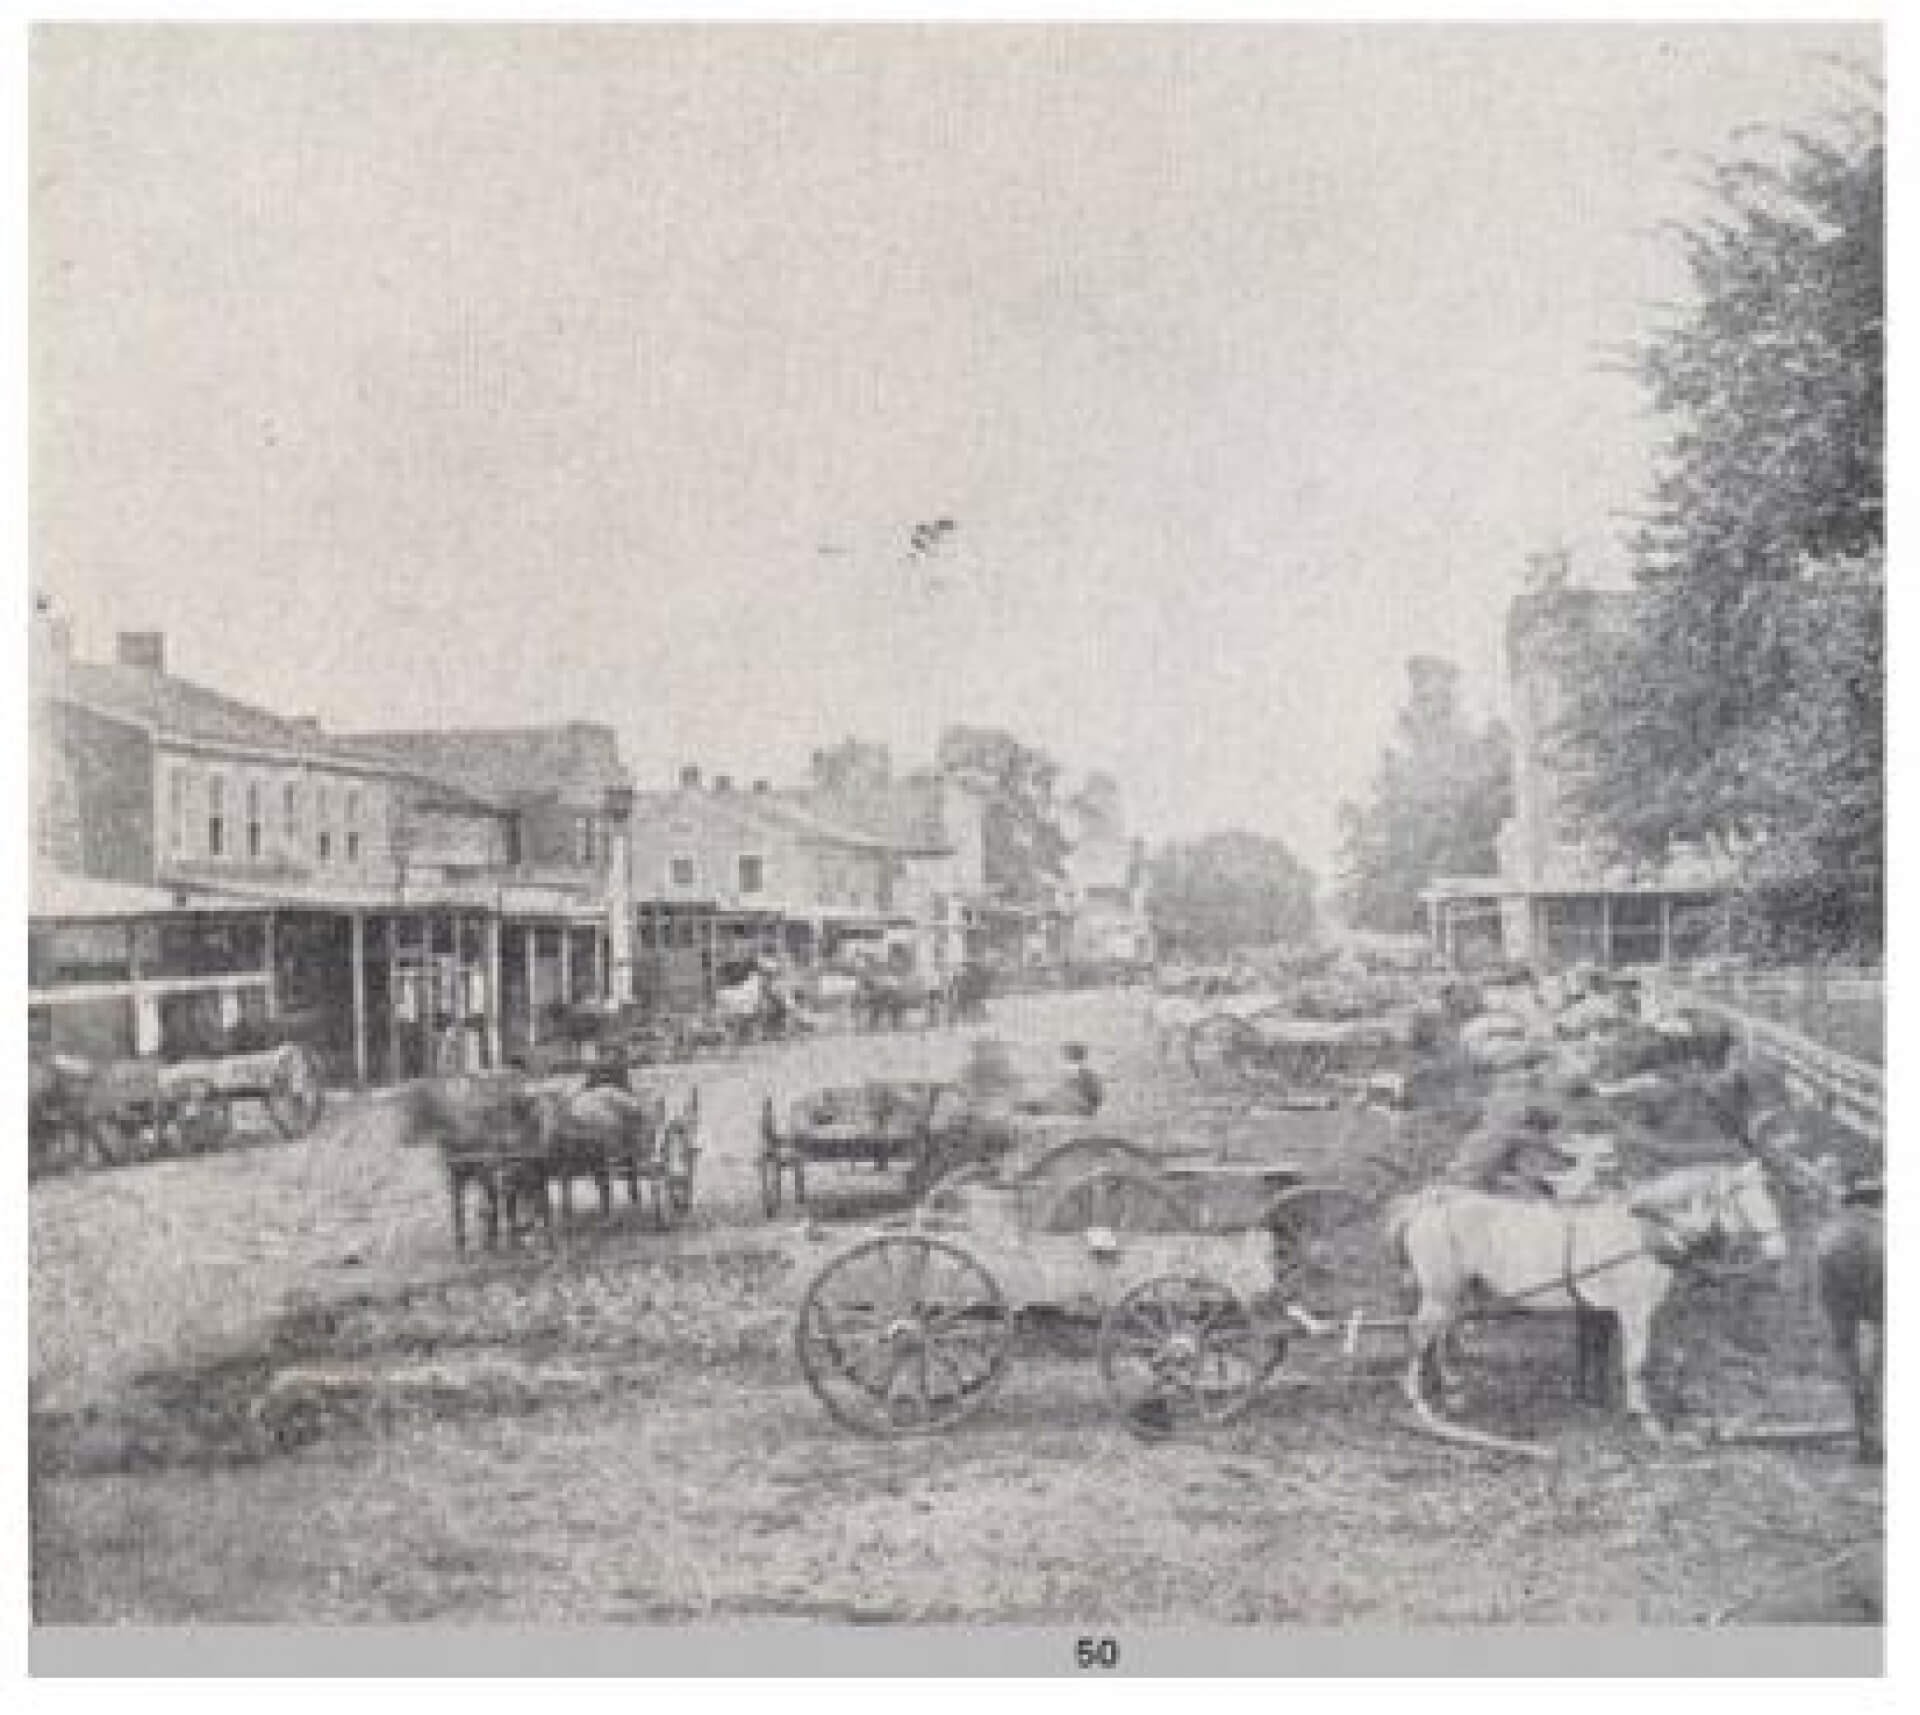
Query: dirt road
(266,1390)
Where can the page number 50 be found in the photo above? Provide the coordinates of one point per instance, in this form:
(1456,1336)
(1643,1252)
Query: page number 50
(1096,1652)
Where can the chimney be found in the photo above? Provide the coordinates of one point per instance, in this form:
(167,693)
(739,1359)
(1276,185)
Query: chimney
(690,779)
(147,649)
(723,783)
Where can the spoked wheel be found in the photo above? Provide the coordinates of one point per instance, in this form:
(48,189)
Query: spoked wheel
(295,1093)
(202,1117)
(118,1138)
(1066,1162)
(1119,1199)
(903,1335)
(682,1149)
(1217,1045)
(681,1156)
(1329,1248)
(1181,1352)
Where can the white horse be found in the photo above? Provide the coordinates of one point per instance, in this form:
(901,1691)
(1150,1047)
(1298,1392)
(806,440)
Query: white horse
(1614,1254)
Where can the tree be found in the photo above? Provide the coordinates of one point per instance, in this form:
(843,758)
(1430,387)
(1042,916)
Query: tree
(1742,706)
(1227,892)
(1024,846)
(1438,799)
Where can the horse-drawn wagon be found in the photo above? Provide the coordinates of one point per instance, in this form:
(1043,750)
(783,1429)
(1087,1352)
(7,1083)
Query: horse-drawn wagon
(510,1142)
(1183,1265)
(922,1129)
(115,1112)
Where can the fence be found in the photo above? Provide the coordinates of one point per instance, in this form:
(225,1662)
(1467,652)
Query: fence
(1823,1031)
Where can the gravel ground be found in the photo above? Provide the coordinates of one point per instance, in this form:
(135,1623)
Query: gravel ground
(265,1389)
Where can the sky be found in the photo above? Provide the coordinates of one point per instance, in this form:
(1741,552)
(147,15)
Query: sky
(473,376)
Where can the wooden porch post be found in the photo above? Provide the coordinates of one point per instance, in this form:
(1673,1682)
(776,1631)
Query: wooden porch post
(1666,929)
(566,964)
(532,938)
(358,957)
(495,1000)
(273,986)
(1606,930)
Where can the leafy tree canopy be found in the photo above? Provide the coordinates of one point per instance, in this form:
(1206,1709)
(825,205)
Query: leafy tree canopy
(1743,704)
(1226,893)
(1021,833)
(1438,799)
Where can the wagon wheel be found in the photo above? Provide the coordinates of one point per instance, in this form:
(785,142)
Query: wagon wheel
(1067,1161)
(776,1158)
(295,1094)
(903,1335)
(1180,1352)
(1329,1248)
(201,1115)
(117,1137)
(1120,1199)
(1218,1045)
(682,1152)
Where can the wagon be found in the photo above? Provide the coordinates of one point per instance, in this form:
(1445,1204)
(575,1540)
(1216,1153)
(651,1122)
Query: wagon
(921,1129)
(1190,1269)
(136,1109)
(1279,1053)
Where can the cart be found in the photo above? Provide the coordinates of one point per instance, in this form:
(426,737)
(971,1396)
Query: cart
(1190,1268)
(922,1129)
(136,1110)
(1301,1059)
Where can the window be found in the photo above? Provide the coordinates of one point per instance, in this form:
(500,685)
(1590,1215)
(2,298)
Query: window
(680,872)
(176,810)
(322,824)
(216,815)
(586,840)
(253,819)
(353,826)
(290,816)
(753,874)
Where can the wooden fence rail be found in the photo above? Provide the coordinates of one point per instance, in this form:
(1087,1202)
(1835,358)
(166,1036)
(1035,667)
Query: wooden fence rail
(1850,1090)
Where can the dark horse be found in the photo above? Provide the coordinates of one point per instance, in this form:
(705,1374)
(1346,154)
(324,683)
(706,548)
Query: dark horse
(1850,1258)
(886,996)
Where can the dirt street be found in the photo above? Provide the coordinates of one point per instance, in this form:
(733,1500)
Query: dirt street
(264,1388)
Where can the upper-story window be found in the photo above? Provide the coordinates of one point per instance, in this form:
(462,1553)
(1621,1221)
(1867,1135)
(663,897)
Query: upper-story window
(323,823)
(177,810)
(216,815)
(753,874)
(352,816)
(586,840)
(255,833)
(680,871)
(290,817)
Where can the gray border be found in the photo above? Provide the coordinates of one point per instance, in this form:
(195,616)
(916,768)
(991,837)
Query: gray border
(806,1649)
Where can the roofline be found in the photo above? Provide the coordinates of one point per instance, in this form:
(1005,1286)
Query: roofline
(163,733)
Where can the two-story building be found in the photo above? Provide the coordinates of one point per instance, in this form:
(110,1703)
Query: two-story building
(720,874)
(357,889)
(556,866)
(1556,901)
(934,822)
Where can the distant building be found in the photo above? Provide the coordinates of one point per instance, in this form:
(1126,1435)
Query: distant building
(1555,900)
(1106,882)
